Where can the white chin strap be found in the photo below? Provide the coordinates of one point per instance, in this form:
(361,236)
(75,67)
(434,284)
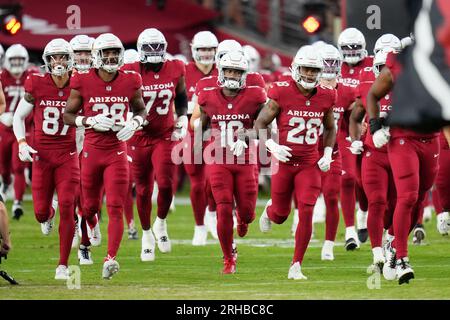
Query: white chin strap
(58,71)
(231,84)
(308,85)
(154,59)
(110,68)
(83,67)
(352,60)
(328,76)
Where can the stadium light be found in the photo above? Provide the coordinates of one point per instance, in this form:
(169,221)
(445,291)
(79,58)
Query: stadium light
(311,24)
(11,18)
(314,16)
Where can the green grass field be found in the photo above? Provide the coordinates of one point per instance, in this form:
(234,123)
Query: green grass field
(195,272)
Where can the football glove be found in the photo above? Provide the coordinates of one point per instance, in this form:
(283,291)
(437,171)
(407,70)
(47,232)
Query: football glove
(25,152)
(280,152)
(100,123)
(180,128)
(381,137)
(238,147)
(324,163)
(356,147)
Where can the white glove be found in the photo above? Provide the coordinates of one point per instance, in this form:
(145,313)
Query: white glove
(129,128)
(381,137)
(7,119)
(238,147)
(356,147)
(324,163)
(180,128)
(25,152)
(278,151)
(100,123)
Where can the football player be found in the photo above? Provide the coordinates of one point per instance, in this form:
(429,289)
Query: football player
(104,94)
(54,154)
(231,110)
(151,148)
(300,107)
(13,78)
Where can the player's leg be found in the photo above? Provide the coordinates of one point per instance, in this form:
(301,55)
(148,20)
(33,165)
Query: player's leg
(443,191)
(307,189)
(211,209)
(245,194)
(6,152)
(128,208)
(18,169)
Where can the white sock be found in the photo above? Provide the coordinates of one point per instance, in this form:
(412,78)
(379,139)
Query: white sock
(350,232)
(328,244)
(377,254)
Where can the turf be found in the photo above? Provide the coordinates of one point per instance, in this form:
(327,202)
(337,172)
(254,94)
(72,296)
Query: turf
(195,272)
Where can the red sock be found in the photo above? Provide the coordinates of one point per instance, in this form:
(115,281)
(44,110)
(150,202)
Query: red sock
(225,228)
(304,231)
(348,200)
(66,231)
(115,229)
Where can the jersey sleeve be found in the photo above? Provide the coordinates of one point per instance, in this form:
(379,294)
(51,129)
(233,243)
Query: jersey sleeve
(199,87)
(273,92)
(201,100)
(75,81)
(259,81)
(180,68)
(137,81)
(28,85)
(261,96)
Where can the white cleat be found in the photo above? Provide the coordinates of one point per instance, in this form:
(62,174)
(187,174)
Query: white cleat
(75,237)
(418,234)
(148,246)
(389,268)
(361,218)
(234,220)
(162,238)
(200,236)
(110,267)
(96,235)
(295,272)
(404,271)
(62,273)
(47,226)
(294,223)
(443,223)
(351,239)
(265,225)
(84,256)
(211,223)
(427,213)
(378,260)
(172,205)
(327,251)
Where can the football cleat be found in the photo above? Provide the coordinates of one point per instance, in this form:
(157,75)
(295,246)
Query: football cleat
(47,226)
(378,260)
(84,256)
(389,267)
(62,273)
(295,272)
(265,225)
(234,250)
(211,223)
(361,218)
(443,223)
(148,246)
(17,209)
(110,267)
(133,234)
(404,271)
(418,234)
(96,235)
(229,266)
(162,238)
(200,236)
(351,239)
(327,251)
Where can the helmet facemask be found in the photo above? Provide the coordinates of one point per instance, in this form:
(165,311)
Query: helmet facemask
(231,82)
(307,77)
(153,52)
(110,59)
(17,65)
(82,60)
(58,64)
(331,69)
(353,53)
(205,56)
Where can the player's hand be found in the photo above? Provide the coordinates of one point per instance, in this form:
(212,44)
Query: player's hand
(100,123)
(7,119)
(280,152)
(180,128)
(128,130)
(238,147)
(381,137)
(356,147)
(25,152)
(324,163)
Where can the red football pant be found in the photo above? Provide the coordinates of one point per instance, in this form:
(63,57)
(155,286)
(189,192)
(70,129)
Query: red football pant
(10,163)
(303,180)
(232,182)
(128,208)
(149,162)
(108,168)
(54,169)
(443,179)
(331,184)
(379,187)
(196,173)
(414,165)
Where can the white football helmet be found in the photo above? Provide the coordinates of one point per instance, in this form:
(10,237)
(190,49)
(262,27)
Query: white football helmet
(380,60)
(130,56)
(204,39)
(306,56)
(253,57)
(151,46)
(318,45)
(352,45)
(82,50)
(16,59)
(233,60)
(387,40)
(58,47)
(104,42)
(226,46)
(332,62)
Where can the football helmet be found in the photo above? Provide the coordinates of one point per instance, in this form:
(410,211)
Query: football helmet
(306,56)
(253,57)
(58,47)
(104,42)
(151,46)
(332,61)
(82,51)
(235,60)
(16,59)
(387,40)
(130,56)
(204,39)
(226,46)
(380,60)
(352,45)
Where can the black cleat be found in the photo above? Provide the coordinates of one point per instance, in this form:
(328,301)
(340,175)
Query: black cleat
(363,235)
(351,244)
(17,211)
(404,271)
(418,234)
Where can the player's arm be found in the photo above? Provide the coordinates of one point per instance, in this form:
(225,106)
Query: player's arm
(265,117)
(4,230)
(139,114)
(356,118)
(73,106)
(181,107)
(24,108)
(329,139)
(2,100)
(198,117)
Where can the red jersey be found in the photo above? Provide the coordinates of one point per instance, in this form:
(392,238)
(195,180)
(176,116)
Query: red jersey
(50,132)
(110,98)
(158,90)
(394,66)
(228,114)
(300,118)
(253,79)
(193,75)
(345,97)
